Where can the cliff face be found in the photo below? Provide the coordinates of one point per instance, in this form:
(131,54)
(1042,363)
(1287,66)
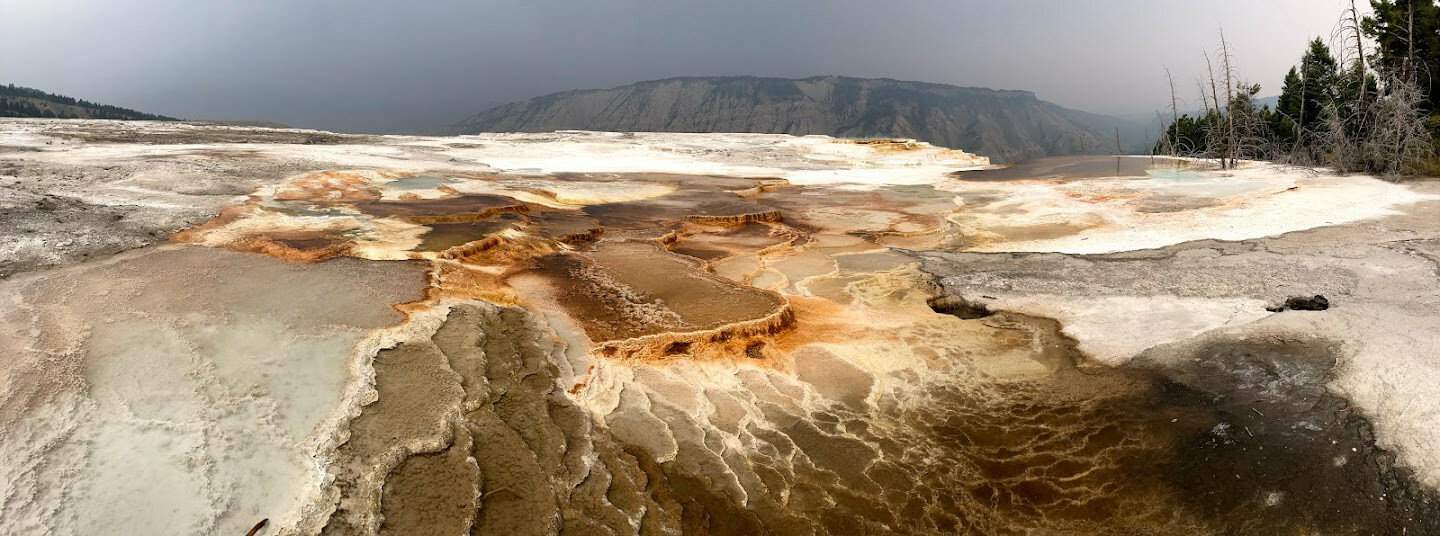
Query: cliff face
(1004,125)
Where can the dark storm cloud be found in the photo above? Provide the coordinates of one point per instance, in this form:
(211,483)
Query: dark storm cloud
(387,65)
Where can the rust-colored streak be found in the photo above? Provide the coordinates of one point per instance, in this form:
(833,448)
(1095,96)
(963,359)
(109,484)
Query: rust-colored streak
(294,246)
(255,530)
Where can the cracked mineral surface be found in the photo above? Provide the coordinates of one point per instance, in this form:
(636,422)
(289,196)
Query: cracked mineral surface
(604,333)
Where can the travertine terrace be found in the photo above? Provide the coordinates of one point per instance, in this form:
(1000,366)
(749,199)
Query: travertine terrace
(628,333)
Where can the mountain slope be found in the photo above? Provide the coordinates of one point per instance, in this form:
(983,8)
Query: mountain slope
(17,101)
(1004,125)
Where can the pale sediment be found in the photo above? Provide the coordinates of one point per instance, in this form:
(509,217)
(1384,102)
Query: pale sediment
(191,382)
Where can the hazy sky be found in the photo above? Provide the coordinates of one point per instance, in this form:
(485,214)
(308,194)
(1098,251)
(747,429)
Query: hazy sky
(395,65)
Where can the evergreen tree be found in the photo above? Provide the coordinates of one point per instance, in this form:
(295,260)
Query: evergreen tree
(1187,135)
(1289,103)
(1319,75)
(1287,109)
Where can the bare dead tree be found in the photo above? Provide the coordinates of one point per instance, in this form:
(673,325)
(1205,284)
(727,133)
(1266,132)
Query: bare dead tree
(1214,145)
(1398,140)
(1382,133)
(1411,68)
(1300,121)
(1201,147)
(1167,144)
(1214,93)
(1349,30)
(1340,148)
(1230,135)
(1409,33)
(1174,116)
(1204,100)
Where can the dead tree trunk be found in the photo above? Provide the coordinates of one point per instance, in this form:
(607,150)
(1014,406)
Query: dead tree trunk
(1353,26)
(1219,112)
(1409,36)
(1174,114)
(1300,121)
(1229,99)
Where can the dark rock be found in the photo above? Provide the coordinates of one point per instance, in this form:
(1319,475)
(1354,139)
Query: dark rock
(960,307)
(1302,303)
(1313,303)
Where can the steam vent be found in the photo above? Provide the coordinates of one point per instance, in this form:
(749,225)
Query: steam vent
(231,330)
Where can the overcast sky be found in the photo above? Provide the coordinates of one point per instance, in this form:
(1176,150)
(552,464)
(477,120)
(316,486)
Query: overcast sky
(390,65)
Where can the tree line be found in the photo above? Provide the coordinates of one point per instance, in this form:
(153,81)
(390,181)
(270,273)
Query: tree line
(1363,102)
(18,101)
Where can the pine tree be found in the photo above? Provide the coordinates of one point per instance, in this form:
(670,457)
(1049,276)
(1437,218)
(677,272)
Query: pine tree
(1289,103)
(1287,110)
(1319,74)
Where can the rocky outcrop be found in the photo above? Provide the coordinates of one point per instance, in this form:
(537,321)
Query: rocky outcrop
(1004,125)
(768,216)
(745,337)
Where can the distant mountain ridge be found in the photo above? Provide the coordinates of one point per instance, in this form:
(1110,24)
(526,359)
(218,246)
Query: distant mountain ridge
(1005,125)
(19,101)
